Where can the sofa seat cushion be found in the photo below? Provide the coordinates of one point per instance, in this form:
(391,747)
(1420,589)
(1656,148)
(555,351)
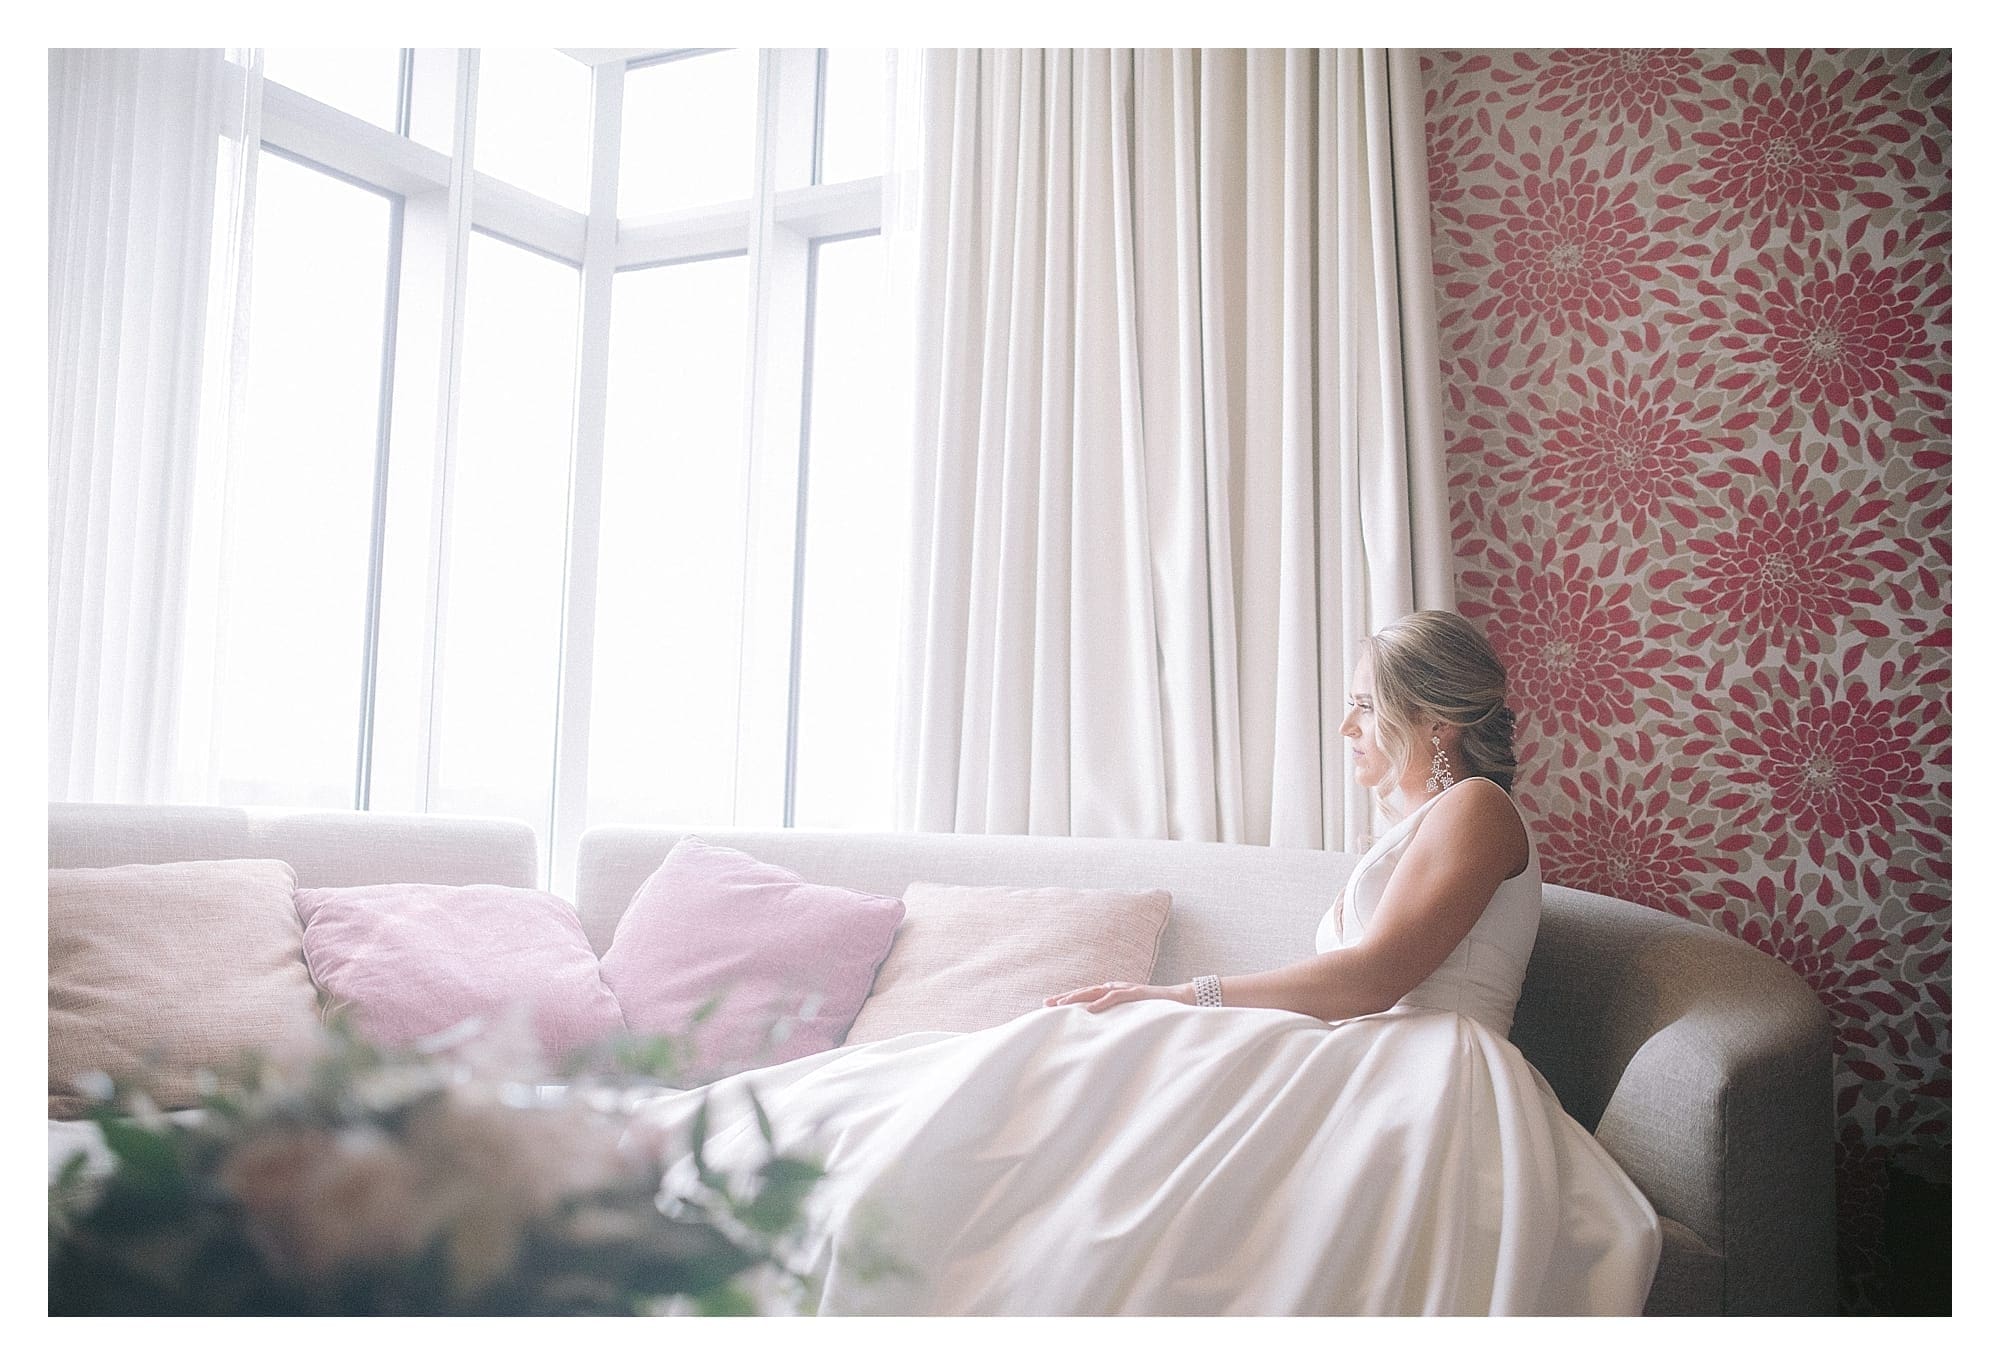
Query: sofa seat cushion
(970,957)
(158,972)
(746,962)
(406,961)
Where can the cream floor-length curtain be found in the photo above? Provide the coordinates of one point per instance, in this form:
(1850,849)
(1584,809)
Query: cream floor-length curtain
(139,140)
(1177,436)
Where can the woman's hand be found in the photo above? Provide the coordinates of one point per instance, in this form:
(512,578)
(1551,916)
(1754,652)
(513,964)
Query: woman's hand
(1109,993)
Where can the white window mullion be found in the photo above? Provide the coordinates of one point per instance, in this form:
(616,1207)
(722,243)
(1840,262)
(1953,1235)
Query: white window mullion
(778,263)
(833,210)
(348,145)
(687,235)
(600,253)
(401,701)
(535,223)
(458,227)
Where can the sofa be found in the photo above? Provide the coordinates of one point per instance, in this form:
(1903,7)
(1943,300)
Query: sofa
(1702,1066)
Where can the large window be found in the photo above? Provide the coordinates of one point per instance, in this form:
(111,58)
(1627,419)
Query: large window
(558,493)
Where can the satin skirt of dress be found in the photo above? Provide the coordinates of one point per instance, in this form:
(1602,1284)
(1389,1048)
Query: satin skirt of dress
(1160,1159)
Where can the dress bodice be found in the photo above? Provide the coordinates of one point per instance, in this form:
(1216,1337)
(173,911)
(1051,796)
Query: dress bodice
(1482,976)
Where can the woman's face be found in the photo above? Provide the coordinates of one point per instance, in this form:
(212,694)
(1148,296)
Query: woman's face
(1370,764)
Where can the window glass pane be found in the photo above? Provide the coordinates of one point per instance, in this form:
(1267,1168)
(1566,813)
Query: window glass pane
(854,114)
(297,522)
(497,670)
(534,123)
(855,537)
(361,81)
(433,96)
(689,133)
(670,548)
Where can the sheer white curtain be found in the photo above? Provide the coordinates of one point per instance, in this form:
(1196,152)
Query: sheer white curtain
(137,141)
(1177,443)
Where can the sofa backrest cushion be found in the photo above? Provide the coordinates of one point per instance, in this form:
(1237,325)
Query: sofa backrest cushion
(157,972)
(324,848)
(405,961)
(970,957)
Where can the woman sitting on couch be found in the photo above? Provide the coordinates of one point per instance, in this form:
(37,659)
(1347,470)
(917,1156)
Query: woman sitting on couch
(1352,1133)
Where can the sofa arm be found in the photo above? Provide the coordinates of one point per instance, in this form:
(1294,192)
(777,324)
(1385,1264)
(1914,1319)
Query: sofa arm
(1705,1068)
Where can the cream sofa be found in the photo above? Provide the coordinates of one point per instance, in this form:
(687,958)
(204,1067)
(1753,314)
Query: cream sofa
(1703,1066)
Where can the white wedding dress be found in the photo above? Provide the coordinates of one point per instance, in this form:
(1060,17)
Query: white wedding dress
(1162,1159)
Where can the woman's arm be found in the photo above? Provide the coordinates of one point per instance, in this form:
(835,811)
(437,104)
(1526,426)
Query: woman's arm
(1464,849)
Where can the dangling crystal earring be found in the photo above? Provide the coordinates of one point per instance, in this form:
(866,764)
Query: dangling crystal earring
(1441,777)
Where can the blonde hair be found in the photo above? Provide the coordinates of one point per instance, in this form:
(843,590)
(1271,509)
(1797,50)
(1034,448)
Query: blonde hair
(1436,666)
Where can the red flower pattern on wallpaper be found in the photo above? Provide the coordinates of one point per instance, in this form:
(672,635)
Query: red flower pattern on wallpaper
(1832,335)
(1630,449)
(1572,647)
(1831,760)
(1455,153)
(1695,310)
(1843,963)
(1631,83)
(1792,157)
(1569,251)
(1626,839)
(1789,565)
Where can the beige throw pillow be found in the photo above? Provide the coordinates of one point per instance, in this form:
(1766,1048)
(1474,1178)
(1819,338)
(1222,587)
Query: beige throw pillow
(159,970)
(970,957)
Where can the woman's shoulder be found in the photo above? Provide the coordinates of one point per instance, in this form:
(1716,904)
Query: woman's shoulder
(1477,816)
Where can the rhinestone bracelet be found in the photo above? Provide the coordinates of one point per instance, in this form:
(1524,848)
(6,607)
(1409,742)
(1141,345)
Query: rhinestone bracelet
(1208,991)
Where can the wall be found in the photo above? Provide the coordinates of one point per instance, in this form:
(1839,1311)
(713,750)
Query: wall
(1696,315)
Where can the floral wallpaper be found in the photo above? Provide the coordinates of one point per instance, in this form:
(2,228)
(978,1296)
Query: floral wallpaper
(1696,320)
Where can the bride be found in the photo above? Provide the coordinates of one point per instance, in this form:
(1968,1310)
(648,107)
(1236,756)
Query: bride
(1349,1134)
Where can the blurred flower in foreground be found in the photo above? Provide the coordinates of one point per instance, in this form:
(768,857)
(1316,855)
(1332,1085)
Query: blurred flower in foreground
(441,1179)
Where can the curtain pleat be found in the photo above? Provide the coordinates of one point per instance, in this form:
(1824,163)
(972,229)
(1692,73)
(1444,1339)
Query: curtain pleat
(1177,440)
(1049,753)
(133,156)
(1166,227)
(1220,185)
(1297,744)
(1117,768)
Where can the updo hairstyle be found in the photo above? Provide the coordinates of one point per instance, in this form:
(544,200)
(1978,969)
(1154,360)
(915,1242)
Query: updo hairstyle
(1436,666)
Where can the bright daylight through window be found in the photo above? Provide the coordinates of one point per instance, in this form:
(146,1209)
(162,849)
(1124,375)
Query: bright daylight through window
(560,488)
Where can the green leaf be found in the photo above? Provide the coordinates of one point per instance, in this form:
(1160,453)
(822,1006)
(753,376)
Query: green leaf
(779,1200)
(725,1301)
(148,1160)
(792,1169)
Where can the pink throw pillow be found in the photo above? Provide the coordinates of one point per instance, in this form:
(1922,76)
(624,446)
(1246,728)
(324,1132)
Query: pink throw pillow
(786,962)
(405,961)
